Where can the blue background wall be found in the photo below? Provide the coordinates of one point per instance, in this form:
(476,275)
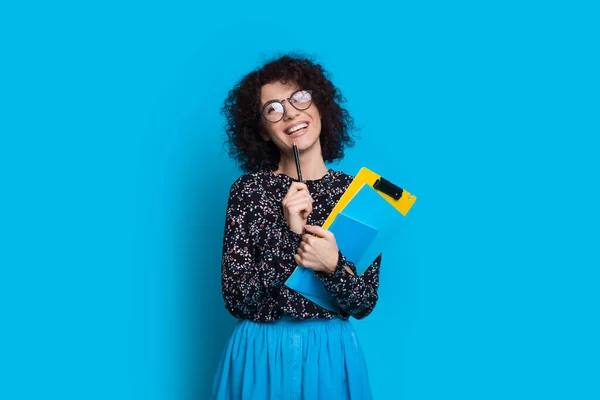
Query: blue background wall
(114,184)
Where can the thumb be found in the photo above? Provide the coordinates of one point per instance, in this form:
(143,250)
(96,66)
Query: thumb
(317,230)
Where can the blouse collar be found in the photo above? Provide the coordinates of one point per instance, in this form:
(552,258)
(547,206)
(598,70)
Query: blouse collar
(282,178)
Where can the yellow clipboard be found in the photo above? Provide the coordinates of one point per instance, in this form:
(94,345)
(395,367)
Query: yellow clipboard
(303,280)
(397,197)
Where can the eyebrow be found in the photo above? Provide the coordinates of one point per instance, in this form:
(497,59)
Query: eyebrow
(285,98)
(267,102)
(273,100)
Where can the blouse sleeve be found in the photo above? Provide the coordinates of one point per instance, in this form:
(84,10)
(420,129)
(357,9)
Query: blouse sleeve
(247,273)
(355,294)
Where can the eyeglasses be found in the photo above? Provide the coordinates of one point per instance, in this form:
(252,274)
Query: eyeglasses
(273,110)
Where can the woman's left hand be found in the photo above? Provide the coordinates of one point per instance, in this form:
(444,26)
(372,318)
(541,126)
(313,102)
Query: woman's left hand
(320,252)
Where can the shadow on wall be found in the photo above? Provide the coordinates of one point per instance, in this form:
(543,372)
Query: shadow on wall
(206,324)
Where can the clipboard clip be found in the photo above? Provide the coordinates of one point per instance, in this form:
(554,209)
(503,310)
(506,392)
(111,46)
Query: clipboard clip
(387,187)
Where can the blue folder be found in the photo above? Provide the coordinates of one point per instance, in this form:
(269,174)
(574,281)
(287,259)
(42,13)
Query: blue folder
(353,239)
(384,216)
(365,221)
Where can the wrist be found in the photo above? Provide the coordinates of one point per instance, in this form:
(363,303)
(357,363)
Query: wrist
(295,227)
(335,260)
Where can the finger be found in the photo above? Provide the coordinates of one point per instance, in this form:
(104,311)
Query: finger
(303,262)
(299,206)
(299,186)
(304,214)
(298,259)
(308,266)
(308,239)
(302,210)
(303,248)
(319,231)
(296,187)
(296,200)
(299,195)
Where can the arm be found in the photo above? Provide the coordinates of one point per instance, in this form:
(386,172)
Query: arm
(243,291)
(356,295)
(249,276)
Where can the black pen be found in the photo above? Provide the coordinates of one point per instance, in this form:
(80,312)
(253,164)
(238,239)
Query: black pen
(297,157)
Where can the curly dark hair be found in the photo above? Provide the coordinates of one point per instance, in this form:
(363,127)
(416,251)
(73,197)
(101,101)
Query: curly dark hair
(244,142)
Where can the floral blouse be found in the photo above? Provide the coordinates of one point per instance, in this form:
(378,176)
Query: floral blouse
(259,248)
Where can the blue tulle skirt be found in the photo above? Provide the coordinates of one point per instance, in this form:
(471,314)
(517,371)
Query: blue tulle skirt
(292,359)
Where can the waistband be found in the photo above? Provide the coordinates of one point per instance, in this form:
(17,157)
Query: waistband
(310,321)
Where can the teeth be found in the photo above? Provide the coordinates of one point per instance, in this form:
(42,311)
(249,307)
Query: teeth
(295,128)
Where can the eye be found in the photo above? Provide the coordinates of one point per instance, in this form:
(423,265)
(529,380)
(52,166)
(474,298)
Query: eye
(302,96)
(274,107)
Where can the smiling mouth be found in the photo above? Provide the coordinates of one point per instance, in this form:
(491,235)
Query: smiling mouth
(296,129)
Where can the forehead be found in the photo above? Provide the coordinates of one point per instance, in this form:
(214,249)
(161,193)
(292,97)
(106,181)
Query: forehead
(276,91)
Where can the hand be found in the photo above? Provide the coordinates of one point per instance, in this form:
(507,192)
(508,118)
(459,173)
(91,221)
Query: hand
(320,252)
(297,206)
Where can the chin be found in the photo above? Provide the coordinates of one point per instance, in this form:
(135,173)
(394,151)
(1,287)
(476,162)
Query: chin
(306,143)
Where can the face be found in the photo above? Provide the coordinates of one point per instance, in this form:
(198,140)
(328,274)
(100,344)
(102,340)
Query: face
(283,133)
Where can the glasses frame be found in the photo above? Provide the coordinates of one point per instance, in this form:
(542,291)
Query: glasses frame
(289,100)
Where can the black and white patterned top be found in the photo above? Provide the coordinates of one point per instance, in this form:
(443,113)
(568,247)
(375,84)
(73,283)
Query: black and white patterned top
(259,248)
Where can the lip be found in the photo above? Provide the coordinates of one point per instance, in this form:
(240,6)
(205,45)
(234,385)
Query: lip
(298,133)
(296,124)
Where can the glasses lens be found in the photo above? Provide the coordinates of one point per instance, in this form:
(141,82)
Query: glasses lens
(301,99)
(273,111)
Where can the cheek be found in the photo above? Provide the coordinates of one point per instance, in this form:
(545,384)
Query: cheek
(317,122)
(316,118)
(271,130)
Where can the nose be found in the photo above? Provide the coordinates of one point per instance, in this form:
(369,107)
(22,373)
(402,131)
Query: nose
(289,111)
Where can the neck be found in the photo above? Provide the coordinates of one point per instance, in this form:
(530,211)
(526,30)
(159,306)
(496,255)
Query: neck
(311,163)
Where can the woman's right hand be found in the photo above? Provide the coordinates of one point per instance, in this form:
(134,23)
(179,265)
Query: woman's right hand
(297,206)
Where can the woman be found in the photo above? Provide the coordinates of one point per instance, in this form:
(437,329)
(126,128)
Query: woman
(284,345)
